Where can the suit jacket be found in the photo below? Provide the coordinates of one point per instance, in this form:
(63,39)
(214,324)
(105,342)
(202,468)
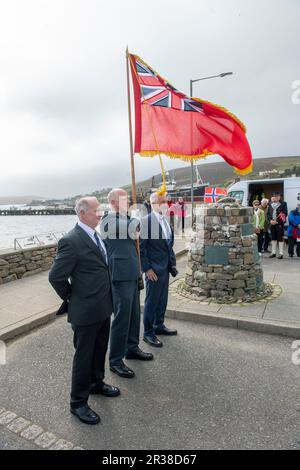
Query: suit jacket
(119,234)
(156,251)
(80,274)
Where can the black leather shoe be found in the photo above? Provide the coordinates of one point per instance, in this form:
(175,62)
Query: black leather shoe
(106,390)
(272,256)
(166,331)
(140,355)
(122,371)
(86,415)
(153,341)
(280,256)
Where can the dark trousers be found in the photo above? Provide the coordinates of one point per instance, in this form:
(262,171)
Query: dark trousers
(291,249)
(125,329)
(156,303)
(180,223)
(90,343)
(266,240)
(172,217)
(260,241)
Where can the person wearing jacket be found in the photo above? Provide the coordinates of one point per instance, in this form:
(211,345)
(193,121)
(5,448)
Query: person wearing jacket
(158,261)
(258,222)
(264,205)
(294,231)
(171,211)
(277,214)
(181,213)
(80,276)
(119,233)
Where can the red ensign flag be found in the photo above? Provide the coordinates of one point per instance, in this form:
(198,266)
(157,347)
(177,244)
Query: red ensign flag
(169,122)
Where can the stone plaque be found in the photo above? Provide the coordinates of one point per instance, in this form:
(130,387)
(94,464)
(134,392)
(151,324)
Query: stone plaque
(216,255)
(247,229)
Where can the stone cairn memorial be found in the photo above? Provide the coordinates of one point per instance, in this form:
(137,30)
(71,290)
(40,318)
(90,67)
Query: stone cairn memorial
(223,262)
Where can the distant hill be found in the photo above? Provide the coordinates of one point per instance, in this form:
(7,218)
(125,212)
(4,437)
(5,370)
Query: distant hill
(19,199)
(221,173)
(217,174)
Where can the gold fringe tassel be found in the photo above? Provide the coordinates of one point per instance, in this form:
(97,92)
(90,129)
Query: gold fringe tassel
(247,170)
(225,110)
(187,158)
(163,189)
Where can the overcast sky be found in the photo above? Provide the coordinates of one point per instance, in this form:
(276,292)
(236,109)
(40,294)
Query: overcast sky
(63,104)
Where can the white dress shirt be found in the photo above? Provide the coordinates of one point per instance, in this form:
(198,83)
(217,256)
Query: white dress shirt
(91,233)
(164,225)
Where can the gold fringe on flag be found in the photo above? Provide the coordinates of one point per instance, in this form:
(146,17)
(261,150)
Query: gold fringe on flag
(186,158)
(225,110)
(247,170)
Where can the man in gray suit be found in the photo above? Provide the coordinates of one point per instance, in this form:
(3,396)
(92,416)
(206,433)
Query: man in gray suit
(80,276)
(120,232)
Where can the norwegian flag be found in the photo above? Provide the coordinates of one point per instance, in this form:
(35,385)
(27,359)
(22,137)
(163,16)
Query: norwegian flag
(213,194)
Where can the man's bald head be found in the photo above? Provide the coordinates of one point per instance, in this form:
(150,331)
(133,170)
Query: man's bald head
(118,200)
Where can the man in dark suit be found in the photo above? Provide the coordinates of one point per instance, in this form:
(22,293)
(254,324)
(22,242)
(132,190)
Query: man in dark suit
(158,260)
(120,232)
(81,278)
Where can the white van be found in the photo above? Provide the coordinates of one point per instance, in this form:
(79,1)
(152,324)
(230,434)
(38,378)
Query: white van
(248,190)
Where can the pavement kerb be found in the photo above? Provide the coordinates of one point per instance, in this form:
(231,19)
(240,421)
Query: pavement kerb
(208,318)
(237,322)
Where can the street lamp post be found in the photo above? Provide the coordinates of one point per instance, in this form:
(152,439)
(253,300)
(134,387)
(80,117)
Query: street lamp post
(221,75)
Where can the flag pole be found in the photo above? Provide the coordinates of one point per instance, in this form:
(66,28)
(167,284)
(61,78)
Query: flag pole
(133,184)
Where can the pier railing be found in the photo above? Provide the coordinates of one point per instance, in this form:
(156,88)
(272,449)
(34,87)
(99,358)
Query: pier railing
(46,211)
(41,239)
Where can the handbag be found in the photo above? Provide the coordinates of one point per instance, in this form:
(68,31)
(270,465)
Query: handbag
(282,217)
(295,232)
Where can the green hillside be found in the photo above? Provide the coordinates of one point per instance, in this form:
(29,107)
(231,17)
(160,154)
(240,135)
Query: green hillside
(222,174)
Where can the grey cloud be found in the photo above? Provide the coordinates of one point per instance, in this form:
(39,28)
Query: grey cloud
(64,70)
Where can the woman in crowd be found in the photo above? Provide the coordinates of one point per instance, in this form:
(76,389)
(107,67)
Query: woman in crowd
(294,231)
(258,224)
(266,237)
(277,214)
(181,213)
(171,211)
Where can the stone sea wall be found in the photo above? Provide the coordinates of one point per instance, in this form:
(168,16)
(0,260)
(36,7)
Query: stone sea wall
(23,263)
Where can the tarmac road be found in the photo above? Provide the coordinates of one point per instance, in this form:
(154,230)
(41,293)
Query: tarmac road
(208,388)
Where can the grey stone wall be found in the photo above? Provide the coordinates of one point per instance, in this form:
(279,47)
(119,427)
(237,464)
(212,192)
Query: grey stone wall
(23,263)
(223,262)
